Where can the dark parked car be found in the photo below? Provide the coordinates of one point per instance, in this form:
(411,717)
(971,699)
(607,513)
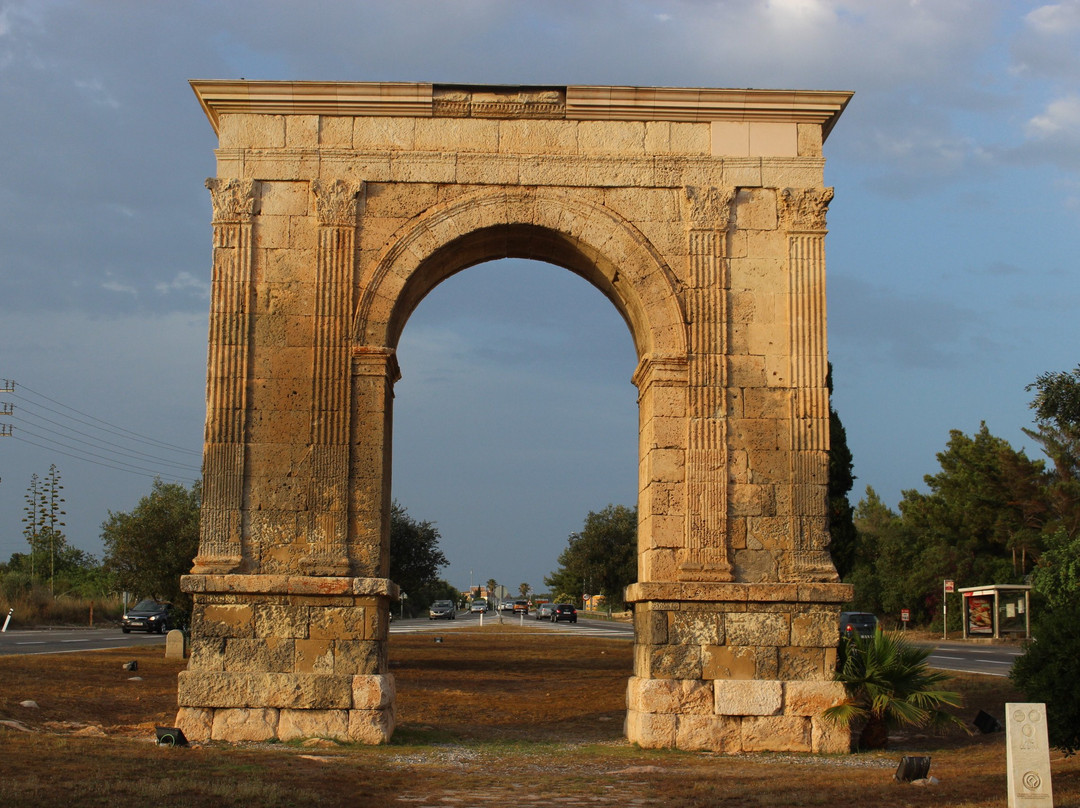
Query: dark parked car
(863,624)
(443,609)
(150,616)
(564,611)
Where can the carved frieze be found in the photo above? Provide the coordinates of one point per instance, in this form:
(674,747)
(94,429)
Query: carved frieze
(803,209)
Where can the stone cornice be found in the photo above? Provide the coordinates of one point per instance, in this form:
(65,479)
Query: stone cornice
(578,102)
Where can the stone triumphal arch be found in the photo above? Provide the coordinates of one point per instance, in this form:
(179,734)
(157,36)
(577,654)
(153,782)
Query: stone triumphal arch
(699,213)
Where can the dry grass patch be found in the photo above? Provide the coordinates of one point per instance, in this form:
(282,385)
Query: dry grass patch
(492,717)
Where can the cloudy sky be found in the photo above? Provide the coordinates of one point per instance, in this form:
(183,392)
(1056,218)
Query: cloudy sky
(951,255)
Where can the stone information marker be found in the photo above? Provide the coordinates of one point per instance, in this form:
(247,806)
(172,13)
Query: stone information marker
(1027,756)
(699,213)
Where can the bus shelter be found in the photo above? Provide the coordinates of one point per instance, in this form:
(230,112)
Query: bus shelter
(996,611)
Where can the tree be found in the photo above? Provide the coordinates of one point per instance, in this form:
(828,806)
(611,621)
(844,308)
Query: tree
(889,684)
(602,557)
(981,508)
(1057,431)
(523,590)
(148,549)
(844,537)
(43,511)
(1046,671)
(415,557)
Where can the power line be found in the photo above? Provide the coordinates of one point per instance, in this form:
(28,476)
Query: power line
(105,444)
(116,430)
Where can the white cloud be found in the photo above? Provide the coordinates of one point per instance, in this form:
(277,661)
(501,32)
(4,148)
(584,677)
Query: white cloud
(1056,19)
(1061,119)
(185,282)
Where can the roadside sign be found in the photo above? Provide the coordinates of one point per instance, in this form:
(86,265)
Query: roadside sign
(905,614)
(950,586)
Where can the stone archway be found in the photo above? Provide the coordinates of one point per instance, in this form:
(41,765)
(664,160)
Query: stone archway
(699,213)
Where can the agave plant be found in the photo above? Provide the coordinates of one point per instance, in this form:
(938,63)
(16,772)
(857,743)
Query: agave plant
(889,685)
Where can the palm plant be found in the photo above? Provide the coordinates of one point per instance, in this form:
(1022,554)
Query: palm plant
(889,685)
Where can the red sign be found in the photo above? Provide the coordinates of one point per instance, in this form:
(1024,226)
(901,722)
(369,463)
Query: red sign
(905,614)
(950,586)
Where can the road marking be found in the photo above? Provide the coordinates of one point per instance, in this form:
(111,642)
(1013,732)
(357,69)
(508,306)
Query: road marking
(939,656)
(86,640)
(36,642)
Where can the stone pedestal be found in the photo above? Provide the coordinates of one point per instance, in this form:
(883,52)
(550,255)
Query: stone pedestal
(735,667)
(287,657)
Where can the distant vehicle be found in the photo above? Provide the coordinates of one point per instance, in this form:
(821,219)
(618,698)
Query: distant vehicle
(863,624)
(442,609)
(150,616)
(479,605)
(564,611)
(544,610)
(521,606)
(506,606)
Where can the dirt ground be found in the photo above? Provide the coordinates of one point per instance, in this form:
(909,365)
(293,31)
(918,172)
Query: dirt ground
(499,716)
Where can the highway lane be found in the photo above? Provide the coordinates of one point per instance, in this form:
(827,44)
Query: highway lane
(991,660)
(66,641)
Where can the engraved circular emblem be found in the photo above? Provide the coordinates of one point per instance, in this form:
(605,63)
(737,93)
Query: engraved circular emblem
(1028,730)
(1032,781)
(1018,715)
(1033,715)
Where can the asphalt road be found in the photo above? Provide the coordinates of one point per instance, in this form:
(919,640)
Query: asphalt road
(992,660)
(67,641)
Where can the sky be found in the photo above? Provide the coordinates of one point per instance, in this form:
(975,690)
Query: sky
(951,254)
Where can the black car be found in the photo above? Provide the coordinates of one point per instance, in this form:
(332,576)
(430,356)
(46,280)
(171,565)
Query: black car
(864,624)
(564,611)
(150,616)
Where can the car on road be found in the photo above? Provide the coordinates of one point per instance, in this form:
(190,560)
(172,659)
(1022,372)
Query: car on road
(151,616)
(506,606)
(544,610)
(564,611)
(521,607)
(863,624)
(442,610)
(479,606)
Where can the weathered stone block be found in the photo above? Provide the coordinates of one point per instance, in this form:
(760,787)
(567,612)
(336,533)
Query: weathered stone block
(373,692)
(244,724)
(696,628)
(748,697)
(371,726)
(715,733)
(757,628)
(295,724)
(195,722)
(812,698)
(313,656)
(268,654)
(828,737)
(282,621)
(651,731)
(801,662)
(727,662)
(221,620)
(776,733)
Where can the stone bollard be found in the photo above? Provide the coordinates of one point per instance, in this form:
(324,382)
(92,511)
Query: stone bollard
(174,644)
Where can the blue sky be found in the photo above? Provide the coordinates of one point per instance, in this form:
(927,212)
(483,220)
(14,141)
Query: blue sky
(951,253)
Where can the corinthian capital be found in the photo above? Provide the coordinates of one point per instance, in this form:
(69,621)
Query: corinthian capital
(708,208)
(233,199)
(335,202)
(803,208)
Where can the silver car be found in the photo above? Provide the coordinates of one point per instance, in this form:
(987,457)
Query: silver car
(544,610)
(442,609)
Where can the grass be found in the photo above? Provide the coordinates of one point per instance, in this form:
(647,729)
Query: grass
(498,716)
